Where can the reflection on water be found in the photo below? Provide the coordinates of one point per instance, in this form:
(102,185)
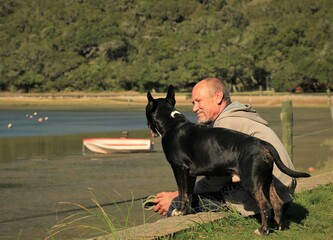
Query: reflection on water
(25,148)
(38,147)
(38,172)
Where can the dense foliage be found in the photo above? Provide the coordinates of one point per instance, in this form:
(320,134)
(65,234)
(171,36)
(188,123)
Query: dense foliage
(96,45)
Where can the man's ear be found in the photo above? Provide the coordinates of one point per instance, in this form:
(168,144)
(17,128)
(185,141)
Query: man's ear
(219,97)
(171,96)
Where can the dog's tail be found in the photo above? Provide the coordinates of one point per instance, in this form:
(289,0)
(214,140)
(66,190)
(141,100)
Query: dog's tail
(277,160)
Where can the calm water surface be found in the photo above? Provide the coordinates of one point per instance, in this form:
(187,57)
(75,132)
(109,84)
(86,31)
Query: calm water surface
(42,166)
(68,122)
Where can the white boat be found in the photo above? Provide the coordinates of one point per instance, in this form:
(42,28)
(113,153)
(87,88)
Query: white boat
(112,145)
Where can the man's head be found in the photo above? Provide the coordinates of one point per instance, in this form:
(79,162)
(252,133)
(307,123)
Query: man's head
(209,97)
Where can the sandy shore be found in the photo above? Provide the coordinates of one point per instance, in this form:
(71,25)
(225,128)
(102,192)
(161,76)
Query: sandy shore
(138,100)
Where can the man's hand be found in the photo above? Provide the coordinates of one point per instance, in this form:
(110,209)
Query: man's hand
(163,201)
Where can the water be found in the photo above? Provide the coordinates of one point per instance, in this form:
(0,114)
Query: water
(68,122)
(42,166)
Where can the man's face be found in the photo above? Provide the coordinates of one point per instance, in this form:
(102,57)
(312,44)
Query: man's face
(203,104)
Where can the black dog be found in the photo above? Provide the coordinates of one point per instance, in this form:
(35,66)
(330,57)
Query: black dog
(193,150)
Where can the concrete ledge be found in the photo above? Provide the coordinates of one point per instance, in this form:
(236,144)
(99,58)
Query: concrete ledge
(163,227)
(170,226)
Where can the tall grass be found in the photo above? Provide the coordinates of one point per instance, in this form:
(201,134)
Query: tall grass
(90,222)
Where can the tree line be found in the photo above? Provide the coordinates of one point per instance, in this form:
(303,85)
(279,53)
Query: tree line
(102,45)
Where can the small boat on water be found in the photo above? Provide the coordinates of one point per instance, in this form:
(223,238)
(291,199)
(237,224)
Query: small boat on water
(113,145)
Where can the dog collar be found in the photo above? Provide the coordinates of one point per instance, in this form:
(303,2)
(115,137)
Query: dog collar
(173,113)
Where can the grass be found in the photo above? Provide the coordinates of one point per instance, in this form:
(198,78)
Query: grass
(309,217)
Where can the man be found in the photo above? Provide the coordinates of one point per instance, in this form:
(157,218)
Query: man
(213,106)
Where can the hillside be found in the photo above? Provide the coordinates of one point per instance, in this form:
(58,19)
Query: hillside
(98,45)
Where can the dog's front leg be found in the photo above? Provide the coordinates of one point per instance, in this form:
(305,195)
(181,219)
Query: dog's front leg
(185,184)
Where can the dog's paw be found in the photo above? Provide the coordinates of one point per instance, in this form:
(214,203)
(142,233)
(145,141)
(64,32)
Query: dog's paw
(261,232)
(176,212)
(279,228)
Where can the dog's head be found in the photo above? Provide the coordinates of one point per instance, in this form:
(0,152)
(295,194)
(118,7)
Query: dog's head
(158,110)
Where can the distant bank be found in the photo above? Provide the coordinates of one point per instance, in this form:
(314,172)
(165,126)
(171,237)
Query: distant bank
(134,100)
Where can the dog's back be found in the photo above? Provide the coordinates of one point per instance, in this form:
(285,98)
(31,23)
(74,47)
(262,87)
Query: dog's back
(212,151)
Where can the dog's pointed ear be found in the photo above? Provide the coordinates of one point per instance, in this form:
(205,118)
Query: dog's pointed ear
(151,101)
(171,96)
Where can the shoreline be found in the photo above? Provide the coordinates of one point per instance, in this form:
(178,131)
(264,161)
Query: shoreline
(133,100)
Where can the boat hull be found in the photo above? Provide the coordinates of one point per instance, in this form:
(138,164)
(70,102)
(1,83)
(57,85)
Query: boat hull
(112,145)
